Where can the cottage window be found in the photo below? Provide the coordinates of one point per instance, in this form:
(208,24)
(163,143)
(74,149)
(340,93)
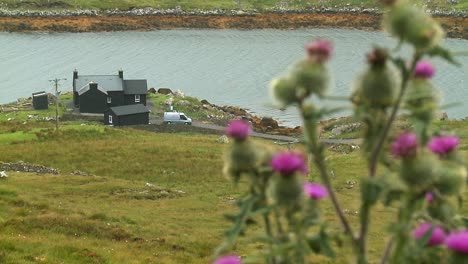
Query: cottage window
(110,119)
(137,98)
(109,100)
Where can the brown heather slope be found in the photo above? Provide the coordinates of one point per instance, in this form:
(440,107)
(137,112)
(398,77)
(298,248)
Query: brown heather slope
(455,26)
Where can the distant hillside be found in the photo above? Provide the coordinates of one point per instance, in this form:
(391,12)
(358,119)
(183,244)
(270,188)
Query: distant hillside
(448,5)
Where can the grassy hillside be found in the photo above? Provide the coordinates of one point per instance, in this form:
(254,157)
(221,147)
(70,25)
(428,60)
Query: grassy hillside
(212,4)
(155,197)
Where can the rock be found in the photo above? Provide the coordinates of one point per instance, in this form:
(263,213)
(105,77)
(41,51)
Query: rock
(223,139)
(179,93)
(80,173)
(3,174)
(338,130)
(207,107)
(164,91)
(269,122)
(169,101)
(183,103)
(442,116)
(205,102)
(149,184)
(26,167)
(152,90)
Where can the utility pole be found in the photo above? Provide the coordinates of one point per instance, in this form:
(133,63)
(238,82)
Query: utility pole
(57,96)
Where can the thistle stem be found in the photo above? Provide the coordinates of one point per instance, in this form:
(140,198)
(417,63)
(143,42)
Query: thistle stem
(374,158)
(316,149)
(387,251)
(266,220)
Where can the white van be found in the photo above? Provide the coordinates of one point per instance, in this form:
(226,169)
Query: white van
(176,118)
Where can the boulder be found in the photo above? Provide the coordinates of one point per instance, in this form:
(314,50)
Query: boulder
(223,139)
(169,101)
(152,90)
(179,93)
(183,103)
(442,116)
(164,91)
(205,102)
(269,122)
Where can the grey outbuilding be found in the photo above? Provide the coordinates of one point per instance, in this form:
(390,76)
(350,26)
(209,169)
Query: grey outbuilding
(127,115)
(40,100)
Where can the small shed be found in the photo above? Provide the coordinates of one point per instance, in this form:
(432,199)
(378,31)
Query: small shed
(127,115)
(40,100)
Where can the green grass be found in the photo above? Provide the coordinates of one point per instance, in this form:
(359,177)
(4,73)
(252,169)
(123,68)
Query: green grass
(212,4)
(116,217)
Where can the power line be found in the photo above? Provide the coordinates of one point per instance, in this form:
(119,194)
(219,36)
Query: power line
(57,96)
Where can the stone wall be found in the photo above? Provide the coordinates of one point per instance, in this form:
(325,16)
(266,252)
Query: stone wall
(27,167)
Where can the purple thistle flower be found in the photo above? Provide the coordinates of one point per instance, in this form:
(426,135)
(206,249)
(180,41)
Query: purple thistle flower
(319,49)
(231,259)
(315,191)
(437,235)
(424,69)
(238,129)
(443,145)
(405,145)
(287,163)
(458,241)
(429,197)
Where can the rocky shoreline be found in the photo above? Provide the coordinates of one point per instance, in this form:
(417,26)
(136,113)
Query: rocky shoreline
(454,22)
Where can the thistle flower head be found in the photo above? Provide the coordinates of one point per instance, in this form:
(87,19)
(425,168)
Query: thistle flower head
(238,129)
(315,191)
(230,259)
(288,163)
(424,69)
(458,241)
(319,49)
(437,236)
(405,145)
(429,197)
(443,145)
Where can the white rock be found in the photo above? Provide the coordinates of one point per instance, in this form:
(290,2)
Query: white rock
(3,174)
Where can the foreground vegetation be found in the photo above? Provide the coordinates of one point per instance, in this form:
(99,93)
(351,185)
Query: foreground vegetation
(214,4)
(154,198)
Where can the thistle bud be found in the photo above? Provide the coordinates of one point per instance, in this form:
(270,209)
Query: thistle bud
(240,158)
(313,77)
(421,99)
(377,86)
(451,178)
(411,24)
(284,91)
(442,209)
(286,191)
(419,173)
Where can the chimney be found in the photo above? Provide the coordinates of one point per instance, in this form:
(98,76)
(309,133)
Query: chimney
(121,74)
(92,86)
(75,74)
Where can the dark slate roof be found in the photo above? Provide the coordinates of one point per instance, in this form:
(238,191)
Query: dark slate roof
(135,87)
(129,109)
(107,82)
